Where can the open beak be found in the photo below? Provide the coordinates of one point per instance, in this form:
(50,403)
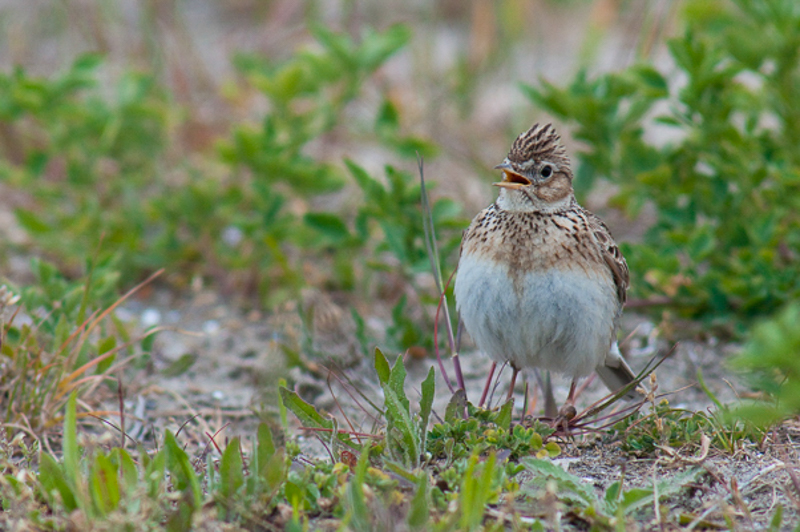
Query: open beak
(511,179)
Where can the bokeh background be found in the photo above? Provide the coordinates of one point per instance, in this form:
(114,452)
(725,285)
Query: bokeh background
(255,163)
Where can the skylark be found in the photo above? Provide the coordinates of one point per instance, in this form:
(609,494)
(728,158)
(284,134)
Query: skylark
(541,283)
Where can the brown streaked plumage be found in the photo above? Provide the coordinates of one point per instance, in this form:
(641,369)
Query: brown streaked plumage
(541,282)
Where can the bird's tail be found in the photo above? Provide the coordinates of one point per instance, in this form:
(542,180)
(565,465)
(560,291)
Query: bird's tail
(615,372)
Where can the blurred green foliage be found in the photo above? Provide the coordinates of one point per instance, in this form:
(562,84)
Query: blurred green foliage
(726,183)
(771,362)
(57,299)
(96,177)
(84,159)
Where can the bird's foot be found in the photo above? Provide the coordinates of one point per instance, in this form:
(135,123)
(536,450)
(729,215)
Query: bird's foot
(565,416)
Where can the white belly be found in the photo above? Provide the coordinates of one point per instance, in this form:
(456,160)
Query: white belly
(561,320)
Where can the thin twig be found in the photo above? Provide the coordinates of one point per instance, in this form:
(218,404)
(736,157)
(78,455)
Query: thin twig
(213,441)
(113,426)
(186,423)
(346,384)
(121,397)
(338,405)
(433,248)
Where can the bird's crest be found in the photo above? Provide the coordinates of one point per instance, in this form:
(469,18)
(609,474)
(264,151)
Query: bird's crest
(540,142)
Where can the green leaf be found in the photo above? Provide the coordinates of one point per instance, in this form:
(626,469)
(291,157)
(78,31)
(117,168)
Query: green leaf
(31,222)
(266,447)
(184,479)
(86,64)
(777,519)
(504,416)
(397,381)
(552,449)
(180,519)
(426,403)
(180,366)
(274,474)
(106,345)
(395,238)
(329,225)
(566,481)
(419,513)
(104,485)
(155,471)
(476,492)
(70,449)
(372,188)
(308,415)
(126,467)
(357,509)
(377,47)
(402,436)
(231,473)
(612,494)
(388,117)
(455,407)
(402,439)
(653,79)
(52,478)
(636,498)
(382,367)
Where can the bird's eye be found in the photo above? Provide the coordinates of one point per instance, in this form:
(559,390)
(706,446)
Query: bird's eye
(546,171)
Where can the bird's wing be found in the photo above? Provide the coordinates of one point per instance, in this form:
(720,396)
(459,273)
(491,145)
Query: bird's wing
(611,255)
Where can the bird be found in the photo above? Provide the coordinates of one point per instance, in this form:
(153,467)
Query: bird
(540,281)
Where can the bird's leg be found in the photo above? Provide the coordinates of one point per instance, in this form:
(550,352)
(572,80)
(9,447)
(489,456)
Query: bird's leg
(514,372)
(568,411)
(488,385)
(546,384)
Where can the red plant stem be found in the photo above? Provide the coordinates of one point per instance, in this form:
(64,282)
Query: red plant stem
(487,385)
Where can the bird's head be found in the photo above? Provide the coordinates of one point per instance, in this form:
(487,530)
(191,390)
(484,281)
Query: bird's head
(536,172)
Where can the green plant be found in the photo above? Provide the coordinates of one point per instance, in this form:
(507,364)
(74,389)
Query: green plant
(480,486)
(725,188)
(606,511)
(674,428)
(484,431)
(73,342)
(308,94)
(769,359)
(106,182)
(54,299)
(396,209)
(465,485)
(406,433)
(83,159)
